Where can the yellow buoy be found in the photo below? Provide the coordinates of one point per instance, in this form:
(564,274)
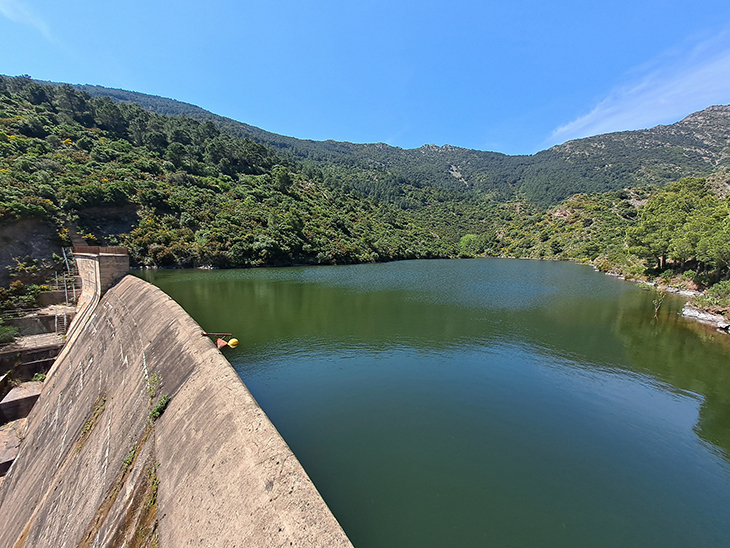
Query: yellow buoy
(233,343)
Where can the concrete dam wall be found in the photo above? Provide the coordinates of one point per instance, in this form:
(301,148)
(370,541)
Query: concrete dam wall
(104,463)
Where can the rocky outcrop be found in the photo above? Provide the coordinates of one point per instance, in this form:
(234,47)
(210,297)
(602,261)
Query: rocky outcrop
(26,238)
(717,320)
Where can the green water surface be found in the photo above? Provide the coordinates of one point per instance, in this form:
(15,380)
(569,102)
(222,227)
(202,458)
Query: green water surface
(484,402)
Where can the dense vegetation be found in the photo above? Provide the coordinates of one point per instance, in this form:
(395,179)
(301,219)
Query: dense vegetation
(181,191)
(695,146)
(679,231)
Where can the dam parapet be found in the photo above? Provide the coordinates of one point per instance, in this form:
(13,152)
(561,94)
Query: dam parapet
(105,461)
(113,262)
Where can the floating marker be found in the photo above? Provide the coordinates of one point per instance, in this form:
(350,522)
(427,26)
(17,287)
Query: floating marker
(220,342)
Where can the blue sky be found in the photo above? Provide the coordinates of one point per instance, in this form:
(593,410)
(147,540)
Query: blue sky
(513,77)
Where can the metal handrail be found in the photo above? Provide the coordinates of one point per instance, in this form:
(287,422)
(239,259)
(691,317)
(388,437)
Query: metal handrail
(18,312)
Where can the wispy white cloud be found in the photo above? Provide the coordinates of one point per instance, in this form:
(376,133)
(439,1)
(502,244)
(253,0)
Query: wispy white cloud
(18,12)
(663,91)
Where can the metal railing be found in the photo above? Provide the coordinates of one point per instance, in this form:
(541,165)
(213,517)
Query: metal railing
(15,313)
(69,283)
(60,318)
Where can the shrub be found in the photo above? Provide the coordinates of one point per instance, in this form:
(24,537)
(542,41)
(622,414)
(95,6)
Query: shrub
(720,293)
(160,407)
(19,295)
(7,333)
(716,297)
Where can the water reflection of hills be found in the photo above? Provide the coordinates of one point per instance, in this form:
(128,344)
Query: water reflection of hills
(684,355)
(561,308)
(687,356)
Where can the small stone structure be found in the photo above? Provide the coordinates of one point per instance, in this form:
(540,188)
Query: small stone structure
(29,355)
(95,468)
(19,401)
(113,262)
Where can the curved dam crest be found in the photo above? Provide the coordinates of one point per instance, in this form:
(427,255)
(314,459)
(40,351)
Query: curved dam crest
(95,470)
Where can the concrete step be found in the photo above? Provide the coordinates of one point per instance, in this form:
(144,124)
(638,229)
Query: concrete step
(19,401)
(4,384)
(10,437)
(30,355)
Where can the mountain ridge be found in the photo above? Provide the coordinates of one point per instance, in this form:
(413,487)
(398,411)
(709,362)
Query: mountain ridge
(182,192)
(697,145)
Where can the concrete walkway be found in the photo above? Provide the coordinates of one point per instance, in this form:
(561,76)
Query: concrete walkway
(33,342)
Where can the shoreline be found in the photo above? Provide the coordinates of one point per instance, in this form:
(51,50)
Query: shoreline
(688,311)
(720,322)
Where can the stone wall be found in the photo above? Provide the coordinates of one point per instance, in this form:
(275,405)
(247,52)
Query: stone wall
(95,469)
(113,262)
(112,267)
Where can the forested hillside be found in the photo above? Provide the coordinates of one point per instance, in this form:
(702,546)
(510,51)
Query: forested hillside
(180,192)
(184,192)
(696,146)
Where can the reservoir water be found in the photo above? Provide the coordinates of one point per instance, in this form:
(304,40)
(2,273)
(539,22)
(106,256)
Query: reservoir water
(484,402)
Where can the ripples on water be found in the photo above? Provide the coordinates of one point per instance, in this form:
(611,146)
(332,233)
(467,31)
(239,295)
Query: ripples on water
(484,402)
